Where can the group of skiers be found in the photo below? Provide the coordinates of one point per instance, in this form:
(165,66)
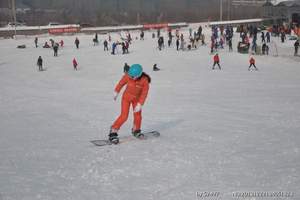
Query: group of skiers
(55,46)
(218,40)
(181,43)
(216,61)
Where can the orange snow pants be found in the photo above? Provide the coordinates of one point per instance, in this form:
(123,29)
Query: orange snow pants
(125,106)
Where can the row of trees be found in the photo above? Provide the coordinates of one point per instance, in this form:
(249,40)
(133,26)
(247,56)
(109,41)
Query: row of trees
(113,12)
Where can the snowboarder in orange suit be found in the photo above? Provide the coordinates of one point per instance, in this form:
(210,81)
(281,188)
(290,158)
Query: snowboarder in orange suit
(135,94)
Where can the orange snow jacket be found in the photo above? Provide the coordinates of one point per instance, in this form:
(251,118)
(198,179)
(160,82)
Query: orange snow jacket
(136,90)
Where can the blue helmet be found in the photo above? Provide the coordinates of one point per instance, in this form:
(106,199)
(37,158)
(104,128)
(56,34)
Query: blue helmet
(135,71)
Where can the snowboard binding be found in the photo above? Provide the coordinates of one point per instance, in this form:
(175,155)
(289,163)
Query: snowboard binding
(113,137)
(138,134)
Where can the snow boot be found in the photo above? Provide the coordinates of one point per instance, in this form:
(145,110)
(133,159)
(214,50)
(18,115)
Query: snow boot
(138,134)
(113,137)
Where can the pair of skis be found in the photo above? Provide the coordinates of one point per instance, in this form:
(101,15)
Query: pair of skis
(147,135)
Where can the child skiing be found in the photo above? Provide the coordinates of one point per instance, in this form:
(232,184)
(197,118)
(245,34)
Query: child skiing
(75,64)
(216,61)
(252,63)
(61,43)
(135,94)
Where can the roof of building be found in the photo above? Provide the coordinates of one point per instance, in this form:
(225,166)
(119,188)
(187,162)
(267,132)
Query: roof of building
(288,3)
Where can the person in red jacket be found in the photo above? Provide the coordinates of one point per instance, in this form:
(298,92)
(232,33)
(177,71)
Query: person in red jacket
(61,43)
(135,94)
(75,64)
(252,63)
(216,61)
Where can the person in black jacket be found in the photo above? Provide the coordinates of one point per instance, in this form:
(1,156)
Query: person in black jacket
(296,45)
(36,42)
(105,43)
(55,49)
(126,68)
(40,63)
(77,43)
(177,44)
(155,68)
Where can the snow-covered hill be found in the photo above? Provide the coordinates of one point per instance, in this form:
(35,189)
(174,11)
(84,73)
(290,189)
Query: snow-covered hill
(226,131)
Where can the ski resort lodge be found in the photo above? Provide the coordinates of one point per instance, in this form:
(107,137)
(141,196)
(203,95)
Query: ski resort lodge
(286,11)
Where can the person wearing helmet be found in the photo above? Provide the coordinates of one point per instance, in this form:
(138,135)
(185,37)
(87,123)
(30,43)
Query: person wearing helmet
(135,94)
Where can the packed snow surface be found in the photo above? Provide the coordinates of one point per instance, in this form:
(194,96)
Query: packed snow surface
(223,130)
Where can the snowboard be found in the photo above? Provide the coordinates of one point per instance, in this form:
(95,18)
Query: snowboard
(147,135)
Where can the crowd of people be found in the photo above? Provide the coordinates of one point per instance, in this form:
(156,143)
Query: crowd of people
(221,36)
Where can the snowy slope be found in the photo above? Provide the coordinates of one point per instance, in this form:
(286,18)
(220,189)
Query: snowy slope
(230,130)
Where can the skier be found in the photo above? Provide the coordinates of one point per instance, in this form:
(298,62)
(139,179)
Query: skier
(155,68)
(142,35)
(182,43)
(170,37)
(123,47)
(46,45)
(126,68)
(77,43)
(263,48)
(153,35)
(40,63)
(126,47)
(283,36)
(36,42)
(160,43)
(61,43)
(230,44)
(55,49)
(169,42)
(75,64)
(95,40)
(216,61)
(267,49)
(135,94)
(129,38)
(177,44)
(221,42)
(52,42)
(200,31)
(296,45)
(203,39)
(105,43)
(263,37)
(252,63)
(114,46)
(212,46)
(268,36)
(96,37)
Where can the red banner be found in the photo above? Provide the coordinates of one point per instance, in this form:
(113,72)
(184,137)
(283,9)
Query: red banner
(63,30)
(155,26)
